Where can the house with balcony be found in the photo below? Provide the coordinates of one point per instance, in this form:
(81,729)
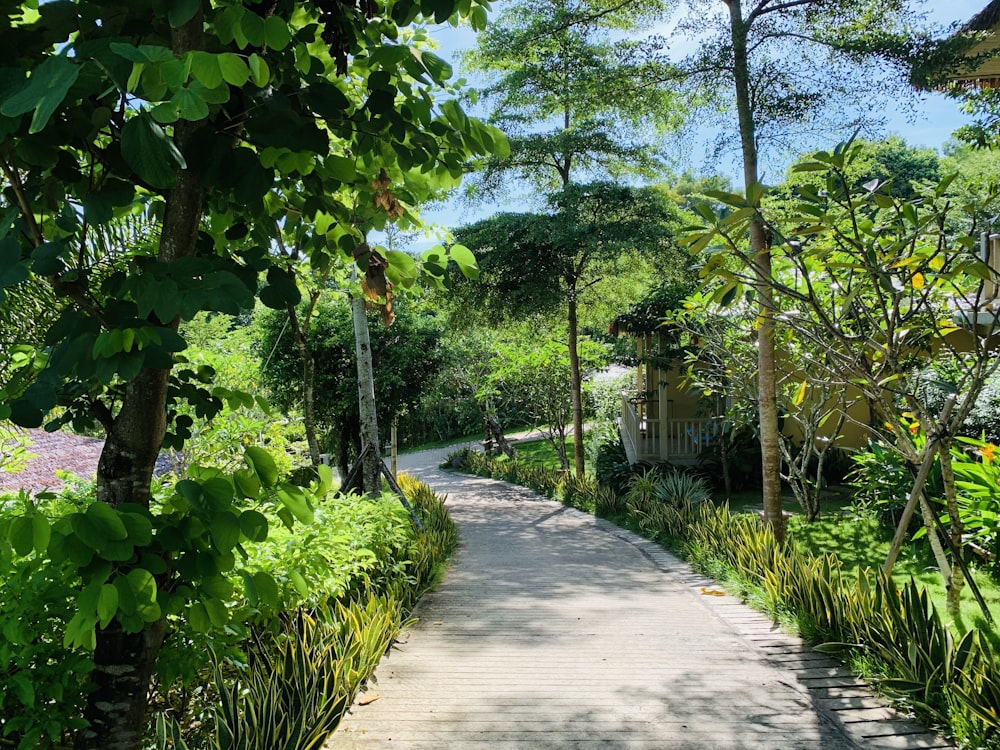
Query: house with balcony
(662,419)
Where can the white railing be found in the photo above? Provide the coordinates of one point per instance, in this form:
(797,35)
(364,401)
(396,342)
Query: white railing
(640,434)
(687,438)
(680,440)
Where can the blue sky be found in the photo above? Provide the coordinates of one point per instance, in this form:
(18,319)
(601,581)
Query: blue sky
(928,120)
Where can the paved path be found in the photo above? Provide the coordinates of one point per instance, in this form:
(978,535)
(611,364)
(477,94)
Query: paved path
(553,629)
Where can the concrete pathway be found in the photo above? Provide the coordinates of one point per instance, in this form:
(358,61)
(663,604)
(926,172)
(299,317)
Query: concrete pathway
(553,629)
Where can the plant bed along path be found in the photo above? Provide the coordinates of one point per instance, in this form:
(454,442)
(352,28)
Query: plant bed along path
(554,629)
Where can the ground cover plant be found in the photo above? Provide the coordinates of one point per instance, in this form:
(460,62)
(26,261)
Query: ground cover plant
(274,647)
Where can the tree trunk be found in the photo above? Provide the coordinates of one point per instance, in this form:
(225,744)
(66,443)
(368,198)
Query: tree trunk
(346,440)
(767,402)
(576,384)
(123,665)
(727,474)
(956,530)
(116,708)
(128,459)
(371,455)
(495,429)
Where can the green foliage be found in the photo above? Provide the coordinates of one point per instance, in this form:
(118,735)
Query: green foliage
(365,553)
(977,477)
(14,445)
(572,93)
(229,128)
(903,169)
(42,683)
(530,263)
(299,682)
(450,406)
(536,382)
(434,542)
(938,381)
(305,669)
(650,314)
(680,488)
(612,470)
(653,494)
(583,492)
(881,481)
(405,359)
(802,64)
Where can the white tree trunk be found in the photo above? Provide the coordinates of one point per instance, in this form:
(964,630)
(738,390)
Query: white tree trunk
(371,455)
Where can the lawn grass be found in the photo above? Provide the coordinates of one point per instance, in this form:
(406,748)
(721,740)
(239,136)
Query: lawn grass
(475,438)
(861,541)
(542,452)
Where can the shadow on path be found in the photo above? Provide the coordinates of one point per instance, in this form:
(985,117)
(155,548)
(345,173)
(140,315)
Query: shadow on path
(553,629)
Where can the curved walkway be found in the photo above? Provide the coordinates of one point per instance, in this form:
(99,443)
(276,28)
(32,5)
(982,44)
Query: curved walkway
(553,629)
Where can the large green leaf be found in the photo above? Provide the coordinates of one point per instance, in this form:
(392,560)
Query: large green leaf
(41,532)
(438,67)
(182,11)
(276,33)
(106,521)
(13,270)
(267,589)
(107,604)
(143,53)
(150,152)
(197,617)
(341,168)
(225,529)
(296,501)
(281,290)
(262,463)
(188,105)
(143,587)
(260,73)
(217,611)
(21,535)
(44,92)
(465,259)
(234,69)
(253,524)
(205,68)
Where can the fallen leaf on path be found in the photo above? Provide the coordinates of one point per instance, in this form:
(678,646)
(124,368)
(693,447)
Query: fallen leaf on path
(365,700)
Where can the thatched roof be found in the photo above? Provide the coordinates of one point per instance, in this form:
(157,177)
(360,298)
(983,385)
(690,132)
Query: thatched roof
(986,73)
(985,19)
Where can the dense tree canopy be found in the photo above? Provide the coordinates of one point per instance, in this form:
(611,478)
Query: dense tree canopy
(405,358)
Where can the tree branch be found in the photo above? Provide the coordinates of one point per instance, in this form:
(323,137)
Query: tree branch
(22,199)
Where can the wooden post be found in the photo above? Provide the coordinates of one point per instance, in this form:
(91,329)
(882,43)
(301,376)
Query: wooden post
(395,447)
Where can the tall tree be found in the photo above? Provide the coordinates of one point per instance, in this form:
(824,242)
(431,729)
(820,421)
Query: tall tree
(783,67)
(577,103)
(547,262)
(190,111)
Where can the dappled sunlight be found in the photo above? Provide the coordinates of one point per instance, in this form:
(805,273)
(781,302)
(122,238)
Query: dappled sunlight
(554,629)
